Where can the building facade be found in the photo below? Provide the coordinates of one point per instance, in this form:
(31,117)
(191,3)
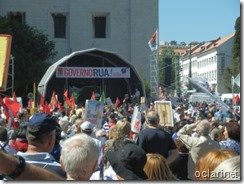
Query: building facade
(208,60)
(124,27)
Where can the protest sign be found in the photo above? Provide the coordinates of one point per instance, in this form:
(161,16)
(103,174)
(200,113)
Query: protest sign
(94,112)
(136,120)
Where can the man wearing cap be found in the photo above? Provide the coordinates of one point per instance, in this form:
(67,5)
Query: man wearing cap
(41,134)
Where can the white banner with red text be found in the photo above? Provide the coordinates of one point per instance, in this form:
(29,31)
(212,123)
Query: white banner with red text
(93,72)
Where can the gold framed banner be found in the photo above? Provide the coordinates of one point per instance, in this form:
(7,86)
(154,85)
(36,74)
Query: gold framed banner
(142,100)
(5,47)
(165,111)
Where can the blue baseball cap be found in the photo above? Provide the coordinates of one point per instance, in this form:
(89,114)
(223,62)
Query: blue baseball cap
(41,123)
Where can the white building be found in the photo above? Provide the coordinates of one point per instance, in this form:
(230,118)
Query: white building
(208,60)
(121,26)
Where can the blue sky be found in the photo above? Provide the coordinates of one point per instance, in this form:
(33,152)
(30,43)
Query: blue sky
(197,20)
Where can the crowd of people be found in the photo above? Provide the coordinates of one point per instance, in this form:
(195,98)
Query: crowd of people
(203,144)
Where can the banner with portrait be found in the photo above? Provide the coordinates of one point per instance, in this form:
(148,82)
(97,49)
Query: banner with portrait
(164,108)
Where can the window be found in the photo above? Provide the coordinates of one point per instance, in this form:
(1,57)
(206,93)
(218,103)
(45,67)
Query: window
(17,16)
(99,23)
(59,25)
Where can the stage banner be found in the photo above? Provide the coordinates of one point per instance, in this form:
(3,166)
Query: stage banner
(92,72)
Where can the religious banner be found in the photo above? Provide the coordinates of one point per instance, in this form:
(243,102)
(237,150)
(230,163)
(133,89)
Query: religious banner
(142,101)
(93,72)
(164,108)
(94,112)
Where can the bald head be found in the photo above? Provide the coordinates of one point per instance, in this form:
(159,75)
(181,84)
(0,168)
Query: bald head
(152,117)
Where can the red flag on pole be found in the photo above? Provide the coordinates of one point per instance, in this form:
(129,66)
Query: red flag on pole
(117,102)
(53,102)
(14,97)
(236,99)
(93,97)
(72,102)
(13,106)
(5,109)
(47,109)
(60,107)
(66,97)
(153,42)
(66,94)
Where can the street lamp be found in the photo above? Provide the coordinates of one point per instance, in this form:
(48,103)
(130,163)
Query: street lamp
(190,73)
(232,89)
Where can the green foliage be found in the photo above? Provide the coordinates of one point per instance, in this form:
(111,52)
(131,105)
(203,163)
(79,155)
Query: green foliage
(234,68)
(31,50)
(237,39)
(147,88)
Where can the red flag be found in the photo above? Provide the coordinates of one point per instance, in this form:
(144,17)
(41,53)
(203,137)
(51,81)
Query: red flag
(53,102)
(66,94)
(5,109)
(236,99)
(66,97)
(72,101)
(117,102)
(14,97)
(153,42)
(47,109)
(60,107)
(93,97)
(13,106)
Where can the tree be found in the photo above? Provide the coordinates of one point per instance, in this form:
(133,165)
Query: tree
(183,43)
(173,42)
(31,50)
(234,68)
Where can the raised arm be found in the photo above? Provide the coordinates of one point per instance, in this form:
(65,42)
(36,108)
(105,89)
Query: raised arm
(15,167)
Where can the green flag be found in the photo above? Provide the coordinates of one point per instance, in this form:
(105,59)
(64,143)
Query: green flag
(102,98)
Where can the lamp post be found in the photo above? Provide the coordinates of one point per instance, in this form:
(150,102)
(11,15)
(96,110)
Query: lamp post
(190,73)
(232,89)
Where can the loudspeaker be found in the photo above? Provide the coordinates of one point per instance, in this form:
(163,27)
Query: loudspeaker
(167,71)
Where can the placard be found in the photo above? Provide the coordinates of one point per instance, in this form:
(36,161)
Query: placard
(94,112)
(109,101)
(164,108)
(142,100)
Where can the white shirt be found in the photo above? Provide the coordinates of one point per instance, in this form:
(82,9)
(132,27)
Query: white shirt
(108,174)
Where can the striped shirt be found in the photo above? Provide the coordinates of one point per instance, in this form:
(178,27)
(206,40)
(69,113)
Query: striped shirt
(43,160)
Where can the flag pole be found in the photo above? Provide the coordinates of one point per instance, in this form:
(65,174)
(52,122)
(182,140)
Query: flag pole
(34,94)
(157,57)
